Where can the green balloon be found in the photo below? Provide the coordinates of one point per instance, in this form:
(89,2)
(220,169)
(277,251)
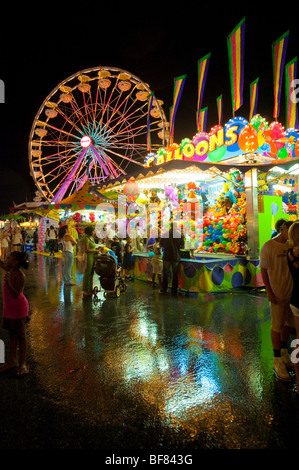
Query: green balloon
(217,154)
(282,153)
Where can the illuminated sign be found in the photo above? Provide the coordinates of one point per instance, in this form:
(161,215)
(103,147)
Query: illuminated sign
(85,141)
(237,137)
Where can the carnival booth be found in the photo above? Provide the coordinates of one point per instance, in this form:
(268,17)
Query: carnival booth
(80,209)
(226,189)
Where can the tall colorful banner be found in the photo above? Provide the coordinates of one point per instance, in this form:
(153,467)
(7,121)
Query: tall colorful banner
(202,119)
(279,50)
(150,99)
(236,47)
(291,105)
(202,71)
(253,98)
(179,83)
(220,109)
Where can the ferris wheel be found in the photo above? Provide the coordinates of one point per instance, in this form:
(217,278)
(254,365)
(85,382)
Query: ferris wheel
(94,125)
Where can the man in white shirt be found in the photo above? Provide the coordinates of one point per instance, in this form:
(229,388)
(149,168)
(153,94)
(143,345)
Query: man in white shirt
(278,282)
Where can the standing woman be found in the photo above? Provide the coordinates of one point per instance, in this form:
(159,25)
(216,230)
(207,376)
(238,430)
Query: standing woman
(68,244)
(91,251)
(128,261)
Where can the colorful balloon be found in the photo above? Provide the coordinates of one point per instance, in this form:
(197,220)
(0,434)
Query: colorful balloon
(248,141)
(131,189)
(201,145)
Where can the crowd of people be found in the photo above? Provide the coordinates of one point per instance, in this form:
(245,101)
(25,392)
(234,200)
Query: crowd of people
(15,239)
(87,247)
(279,263)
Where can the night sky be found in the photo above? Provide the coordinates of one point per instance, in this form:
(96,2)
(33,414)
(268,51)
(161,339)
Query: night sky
(156,41)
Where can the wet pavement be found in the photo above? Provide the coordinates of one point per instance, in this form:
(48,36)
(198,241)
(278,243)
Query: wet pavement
(145,371)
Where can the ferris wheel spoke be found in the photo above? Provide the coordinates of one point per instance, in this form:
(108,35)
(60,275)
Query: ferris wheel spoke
(96,104)
(116,170)
(62,190)
(123,103)
(88,109)
(107,104)
(54,143)
(130,123)
(124,157)
(100,161)
(123,135)
(56,128)
(56,157)
(70,122)
(60,171)
(101,102)
(126,118)
(77,110)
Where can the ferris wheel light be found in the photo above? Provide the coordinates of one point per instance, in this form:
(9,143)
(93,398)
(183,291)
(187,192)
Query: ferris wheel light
(85,141)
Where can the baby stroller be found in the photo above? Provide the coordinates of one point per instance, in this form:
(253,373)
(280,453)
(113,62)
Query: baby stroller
(110,277)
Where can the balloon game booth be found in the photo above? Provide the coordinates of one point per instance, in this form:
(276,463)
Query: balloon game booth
(226,189)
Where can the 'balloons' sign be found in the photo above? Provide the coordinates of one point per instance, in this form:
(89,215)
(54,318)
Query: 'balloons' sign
(237,137)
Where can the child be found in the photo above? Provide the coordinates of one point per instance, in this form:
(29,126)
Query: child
(157,263)
(52,239)
(108,252)
(128,258)
(15,309)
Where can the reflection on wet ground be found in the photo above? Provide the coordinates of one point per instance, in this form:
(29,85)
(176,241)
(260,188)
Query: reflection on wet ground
(147,371)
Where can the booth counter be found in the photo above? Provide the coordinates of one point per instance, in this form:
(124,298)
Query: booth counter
(205,274)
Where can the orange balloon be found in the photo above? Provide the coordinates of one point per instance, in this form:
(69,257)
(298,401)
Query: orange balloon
(248,141)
